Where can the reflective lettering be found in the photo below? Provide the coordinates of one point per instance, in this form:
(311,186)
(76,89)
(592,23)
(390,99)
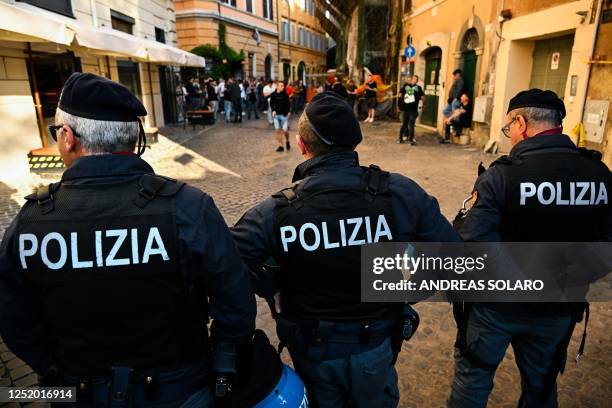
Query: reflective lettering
(559,200)
(99,257)
(551,189)
(286,239)
(326,243)
(603,194)
(134,236)
(159,250)
(110,259)
(357,222)
(74,252)
(382,229)
(23,252)
(317,240)
(62,247)
(527,190)
(584,186)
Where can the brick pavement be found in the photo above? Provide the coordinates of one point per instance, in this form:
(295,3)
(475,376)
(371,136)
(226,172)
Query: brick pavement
(236,164)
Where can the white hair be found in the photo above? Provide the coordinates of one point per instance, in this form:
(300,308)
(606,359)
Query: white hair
(101,136)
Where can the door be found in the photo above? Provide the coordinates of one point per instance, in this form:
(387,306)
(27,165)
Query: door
(49,71)
(551,61)
(169,87)
(433,59)
(268,67)
(469,72)
(129,76)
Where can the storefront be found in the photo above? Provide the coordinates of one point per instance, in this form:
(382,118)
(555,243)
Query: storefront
(37,59)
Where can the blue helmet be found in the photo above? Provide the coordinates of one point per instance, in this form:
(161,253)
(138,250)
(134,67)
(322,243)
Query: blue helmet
(289,392)
(269,383)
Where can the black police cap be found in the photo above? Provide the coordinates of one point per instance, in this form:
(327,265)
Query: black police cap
(95,97)
(537,98)
(331,118)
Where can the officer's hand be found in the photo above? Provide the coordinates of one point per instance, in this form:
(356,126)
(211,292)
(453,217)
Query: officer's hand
(277,303)
(273,114)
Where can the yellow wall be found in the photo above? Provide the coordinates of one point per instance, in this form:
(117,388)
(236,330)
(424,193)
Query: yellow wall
(443,24)
(515,58)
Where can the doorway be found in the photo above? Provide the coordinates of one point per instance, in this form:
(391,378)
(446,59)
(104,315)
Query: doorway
(469,58)
(433,59)
(268,67)
(551,61)
(48,72)
(129,76)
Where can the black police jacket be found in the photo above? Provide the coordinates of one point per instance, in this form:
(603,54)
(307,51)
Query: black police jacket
(416,217)
(545,190)
(206,262)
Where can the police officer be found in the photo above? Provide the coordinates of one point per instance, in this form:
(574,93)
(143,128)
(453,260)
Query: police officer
(505,206)
(105,275)
(342,348)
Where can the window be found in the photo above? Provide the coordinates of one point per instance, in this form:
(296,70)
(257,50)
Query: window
(301,36)
(285,32)
(293,34)
(230,2)
(249,6)
(306,4)
(407,6)
(160,35)
(268,11)
(312,7)
(57,6)
(121,22)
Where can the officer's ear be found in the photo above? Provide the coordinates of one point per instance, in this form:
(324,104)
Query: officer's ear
(70,141)
(301,145)
(521,122)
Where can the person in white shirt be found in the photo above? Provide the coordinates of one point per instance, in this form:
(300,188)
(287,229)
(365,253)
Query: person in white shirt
(268,90)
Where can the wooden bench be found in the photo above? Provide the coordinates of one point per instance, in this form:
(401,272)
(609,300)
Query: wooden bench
(199,117)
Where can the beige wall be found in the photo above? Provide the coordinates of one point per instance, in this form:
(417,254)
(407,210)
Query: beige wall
(17,112)
(513,69)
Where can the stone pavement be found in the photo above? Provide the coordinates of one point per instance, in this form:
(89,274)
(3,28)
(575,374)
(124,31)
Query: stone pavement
(237,166)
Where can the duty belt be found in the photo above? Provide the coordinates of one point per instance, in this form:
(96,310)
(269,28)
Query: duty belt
(301,333)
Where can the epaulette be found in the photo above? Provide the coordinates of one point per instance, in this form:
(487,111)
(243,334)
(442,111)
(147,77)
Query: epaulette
(505,159)
(152,185)
(44,196)
(593,154)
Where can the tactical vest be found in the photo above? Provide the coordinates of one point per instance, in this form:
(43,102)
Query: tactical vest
(103,260)
(319,236)
(559,196)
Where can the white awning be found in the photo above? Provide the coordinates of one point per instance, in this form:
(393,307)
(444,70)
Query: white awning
(28,24)
(53,27)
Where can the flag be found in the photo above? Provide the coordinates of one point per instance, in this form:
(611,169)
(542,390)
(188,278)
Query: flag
(256,37)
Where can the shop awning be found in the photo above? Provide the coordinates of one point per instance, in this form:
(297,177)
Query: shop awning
(53,27)
(29,25)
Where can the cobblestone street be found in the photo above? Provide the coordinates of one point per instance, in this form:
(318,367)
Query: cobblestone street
(237,166)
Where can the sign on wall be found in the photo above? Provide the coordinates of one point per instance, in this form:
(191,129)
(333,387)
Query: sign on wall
(554,60)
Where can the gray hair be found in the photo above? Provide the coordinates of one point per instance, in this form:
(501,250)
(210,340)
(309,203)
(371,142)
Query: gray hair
(101,136)
(539,115)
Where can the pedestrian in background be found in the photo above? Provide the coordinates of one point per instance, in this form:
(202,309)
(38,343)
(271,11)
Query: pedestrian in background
(339,88)
(408,103)
(280,106)
(251,100)
(268,90)
(227,100)
(213,99)
(370,94)
(457,89)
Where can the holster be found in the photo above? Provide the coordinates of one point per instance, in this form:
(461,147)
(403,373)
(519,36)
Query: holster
(404,328)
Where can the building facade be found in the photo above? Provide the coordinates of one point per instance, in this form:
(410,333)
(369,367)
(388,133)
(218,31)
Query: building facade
(43,42)
(302,42)
(197,23)
(507,46)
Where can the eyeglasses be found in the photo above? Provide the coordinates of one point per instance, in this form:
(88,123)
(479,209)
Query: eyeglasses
(506,129)
(54,128)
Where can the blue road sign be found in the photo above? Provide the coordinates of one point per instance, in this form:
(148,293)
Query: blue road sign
(409,51)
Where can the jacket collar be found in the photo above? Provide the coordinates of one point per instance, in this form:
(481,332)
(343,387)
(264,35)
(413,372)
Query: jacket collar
(107,165)
(325,162)
(539,142)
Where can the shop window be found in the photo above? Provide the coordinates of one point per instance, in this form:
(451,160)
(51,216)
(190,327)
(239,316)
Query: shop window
(129,76)
(63,7)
